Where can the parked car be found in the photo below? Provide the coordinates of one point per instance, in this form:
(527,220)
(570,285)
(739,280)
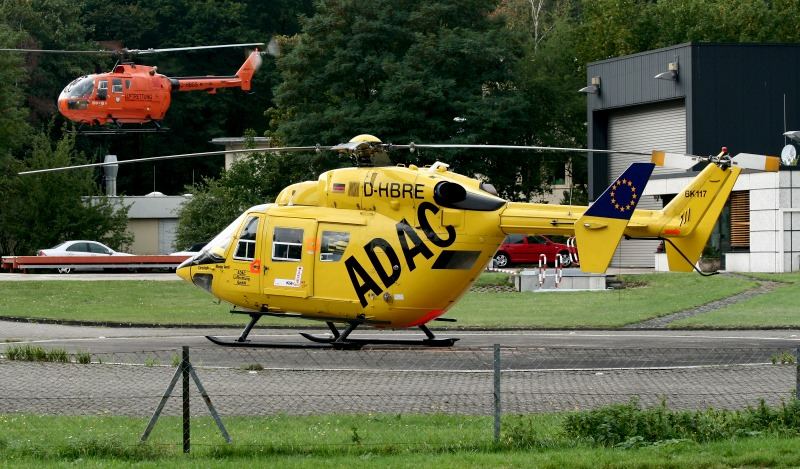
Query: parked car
(521,249)
(79,248)
(191,250)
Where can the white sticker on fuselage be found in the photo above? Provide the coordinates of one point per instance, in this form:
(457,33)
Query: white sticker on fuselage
(293,283)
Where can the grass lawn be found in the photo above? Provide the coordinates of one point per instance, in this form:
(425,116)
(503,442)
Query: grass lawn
(778,308)
(660,294)
(358,441)
(152,302)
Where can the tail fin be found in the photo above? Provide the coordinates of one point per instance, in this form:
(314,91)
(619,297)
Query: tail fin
(600,228)
(248,69)
(688,220)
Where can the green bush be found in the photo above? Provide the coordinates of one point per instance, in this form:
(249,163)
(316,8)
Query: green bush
(783,358)
(31,353)
(84,358)
(629,425)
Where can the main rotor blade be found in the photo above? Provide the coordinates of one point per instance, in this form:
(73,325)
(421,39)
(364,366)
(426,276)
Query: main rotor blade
(175,157)
(176,49)
(61,51)
(317,148)
(413,146)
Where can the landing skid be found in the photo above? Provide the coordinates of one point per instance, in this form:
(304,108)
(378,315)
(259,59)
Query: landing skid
(247,343)
(449,342)
(339,340)
(121,131)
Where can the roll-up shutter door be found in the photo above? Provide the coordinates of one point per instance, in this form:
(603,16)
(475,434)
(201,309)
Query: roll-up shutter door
(659,126)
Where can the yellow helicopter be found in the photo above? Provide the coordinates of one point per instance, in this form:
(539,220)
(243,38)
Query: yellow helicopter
(397,246)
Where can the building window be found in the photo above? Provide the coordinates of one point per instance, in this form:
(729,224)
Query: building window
(333,245)
(246,248)
(740,220)
(287,244)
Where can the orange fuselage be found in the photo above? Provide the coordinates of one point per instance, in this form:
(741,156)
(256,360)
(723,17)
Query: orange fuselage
(137,94)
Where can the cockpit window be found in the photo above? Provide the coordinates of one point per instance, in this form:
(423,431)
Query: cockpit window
(216,247)
(80,88)
(246,248)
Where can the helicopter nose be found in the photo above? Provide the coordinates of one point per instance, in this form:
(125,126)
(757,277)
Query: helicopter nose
(184,271)
(62,106)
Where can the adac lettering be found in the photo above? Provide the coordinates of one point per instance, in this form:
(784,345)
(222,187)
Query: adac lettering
(412,246)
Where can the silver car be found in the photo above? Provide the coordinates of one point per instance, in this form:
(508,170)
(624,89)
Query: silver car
(80,247)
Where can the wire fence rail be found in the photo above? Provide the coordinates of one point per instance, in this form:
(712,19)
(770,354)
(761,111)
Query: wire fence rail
(470,382)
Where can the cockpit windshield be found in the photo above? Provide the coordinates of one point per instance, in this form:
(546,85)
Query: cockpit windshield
(217,246)
(214,251)
(80,88)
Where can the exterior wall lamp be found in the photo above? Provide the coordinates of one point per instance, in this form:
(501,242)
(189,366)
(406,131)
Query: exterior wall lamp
(670,74)
(593,88)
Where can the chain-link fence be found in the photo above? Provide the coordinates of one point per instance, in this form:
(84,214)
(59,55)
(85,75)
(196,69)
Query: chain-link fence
(454,381)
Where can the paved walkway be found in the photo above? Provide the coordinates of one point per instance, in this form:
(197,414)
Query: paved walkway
(764,286)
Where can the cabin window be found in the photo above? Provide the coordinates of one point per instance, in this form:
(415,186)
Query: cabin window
(102,89)
(116,85)
(287,244)
(246,248)
(333,245)
(127,84)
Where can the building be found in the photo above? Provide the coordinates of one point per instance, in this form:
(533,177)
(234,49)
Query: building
(153,221)
(695,99)
(237,143)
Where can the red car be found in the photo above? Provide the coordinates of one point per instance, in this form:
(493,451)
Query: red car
(522,249)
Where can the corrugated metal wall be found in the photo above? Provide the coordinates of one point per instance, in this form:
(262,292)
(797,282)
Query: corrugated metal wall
(659,126)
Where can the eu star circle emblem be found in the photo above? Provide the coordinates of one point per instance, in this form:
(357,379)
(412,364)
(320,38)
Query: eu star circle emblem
(623,195)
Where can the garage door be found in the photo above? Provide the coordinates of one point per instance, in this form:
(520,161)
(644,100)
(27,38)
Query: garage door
(166,235)
(656,126)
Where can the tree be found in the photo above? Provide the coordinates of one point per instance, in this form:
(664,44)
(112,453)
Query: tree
(214,203)
(410,71)
(39,211)
(193,118)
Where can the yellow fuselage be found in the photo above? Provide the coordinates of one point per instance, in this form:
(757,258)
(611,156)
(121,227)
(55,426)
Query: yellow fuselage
(397,246)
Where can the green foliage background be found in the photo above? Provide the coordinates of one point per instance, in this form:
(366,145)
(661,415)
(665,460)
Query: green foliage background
(399,69)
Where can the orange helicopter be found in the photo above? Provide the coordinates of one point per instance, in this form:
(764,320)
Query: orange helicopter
(137,94)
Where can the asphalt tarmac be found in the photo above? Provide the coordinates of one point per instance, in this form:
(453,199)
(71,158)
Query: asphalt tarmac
(112,339)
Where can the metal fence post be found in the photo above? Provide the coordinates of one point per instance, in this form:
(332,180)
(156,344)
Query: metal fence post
(496,393)
(797,373)
(186,409)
